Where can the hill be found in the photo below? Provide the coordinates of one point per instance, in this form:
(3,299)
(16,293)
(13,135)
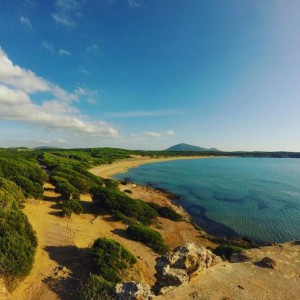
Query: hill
(187,147)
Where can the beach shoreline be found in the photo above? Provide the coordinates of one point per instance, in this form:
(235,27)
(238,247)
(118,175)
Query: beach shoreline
(123,165)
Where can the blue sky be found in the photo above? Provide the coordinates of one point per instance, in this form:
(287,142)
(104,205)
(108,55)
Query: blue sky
(147,74)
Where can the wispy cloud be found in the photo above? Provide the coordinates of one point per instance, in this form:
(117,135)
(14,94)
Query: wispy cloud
(137,114)
(92,48)
(57,113)
(26,22)
(135,3)
(49,47)
(63,52)
(152,134)
(67,12)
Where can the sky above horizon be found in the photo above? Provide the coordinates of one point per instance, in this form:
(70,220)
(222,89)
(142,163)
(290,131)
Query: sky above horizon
(148,74)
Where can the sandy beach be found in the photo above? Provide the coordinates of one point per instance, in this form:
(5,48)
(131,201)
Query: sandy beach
(121,166)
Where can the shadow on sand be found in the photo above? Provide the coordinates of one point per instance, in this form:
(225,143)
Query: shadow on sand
(74,266)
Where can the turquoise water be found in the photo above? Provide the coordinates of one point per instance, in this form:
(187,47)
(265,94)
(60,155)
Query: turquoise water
(254,197)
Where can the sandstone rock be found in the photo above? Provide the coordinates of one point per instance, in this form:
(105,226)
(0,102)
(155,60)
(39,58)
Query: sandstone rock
(238,257)
(268,262)
(133,291)
(178,267)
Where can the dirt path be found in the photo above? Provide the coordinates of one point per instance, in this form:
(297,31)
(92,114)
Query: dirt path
(51,232)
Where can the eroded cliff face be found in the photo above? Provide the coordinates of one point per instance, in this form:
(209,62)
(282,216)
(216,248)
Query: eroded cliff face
(271,272)
(173,269)
(191,272)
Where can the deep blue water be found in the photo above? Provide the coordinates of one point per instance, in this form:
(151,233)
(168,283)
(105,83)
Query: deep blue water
(254,197)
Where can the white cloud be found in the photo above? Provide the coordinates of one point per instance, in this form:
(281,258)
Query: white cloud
(49,47)
(152,134)
(67,12)
(63,52)
(26,22)
(16,77)
(170,132)
(57,113)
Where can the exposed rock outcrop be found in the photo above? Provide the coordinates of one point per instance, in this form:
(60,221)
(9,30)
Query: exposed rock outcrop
(133,291)
(178,267)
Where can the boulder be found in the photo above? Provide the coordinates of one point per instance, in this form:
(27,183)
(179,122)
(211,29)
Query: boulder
(133,291)
(268,262)
(178,267)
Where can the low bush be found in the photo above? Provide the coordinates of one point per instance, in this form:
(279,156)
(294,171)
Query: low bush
(96,288)
(126,220)
(225,251)
(109,259)
(147,236)
(166,212)
(71,206)
(29,188)
(17,243)
(64,188)
(117,201)
(110,183)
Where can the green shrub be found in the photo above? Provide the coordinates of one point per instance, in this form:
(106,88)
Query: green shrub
(96,288)
(10,195)
(29,188)
(166,212)
(117,201)
(71,206)
(17,244)
(147,236)
(109,259)
(110,183)
(64,188)
(225,251)
(125,219)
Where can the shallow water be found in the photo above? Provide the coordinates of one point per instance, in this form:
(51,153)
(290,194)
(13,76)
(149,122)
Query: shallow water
(254,197)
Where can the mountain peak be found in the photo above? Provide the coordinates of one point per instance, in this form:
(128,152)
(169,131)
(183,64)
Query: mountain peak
(187,147)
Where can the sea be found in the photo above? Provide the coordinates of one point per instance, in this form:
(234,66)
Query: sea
(258,198)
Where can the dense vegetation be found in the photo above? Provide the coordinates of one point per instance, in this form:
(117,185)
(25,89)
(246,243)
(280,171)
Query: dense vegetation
(147,236)
(120,204)
(20,177)
(17,239)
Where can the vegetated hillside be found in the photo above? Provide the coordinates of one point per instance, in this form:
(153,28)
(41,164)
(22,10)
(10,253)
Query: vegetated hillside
(187,147)
(20,178)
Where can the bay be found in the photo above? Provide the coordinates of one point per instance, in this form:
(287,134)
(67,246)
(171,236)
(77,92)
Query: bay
(254,197)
